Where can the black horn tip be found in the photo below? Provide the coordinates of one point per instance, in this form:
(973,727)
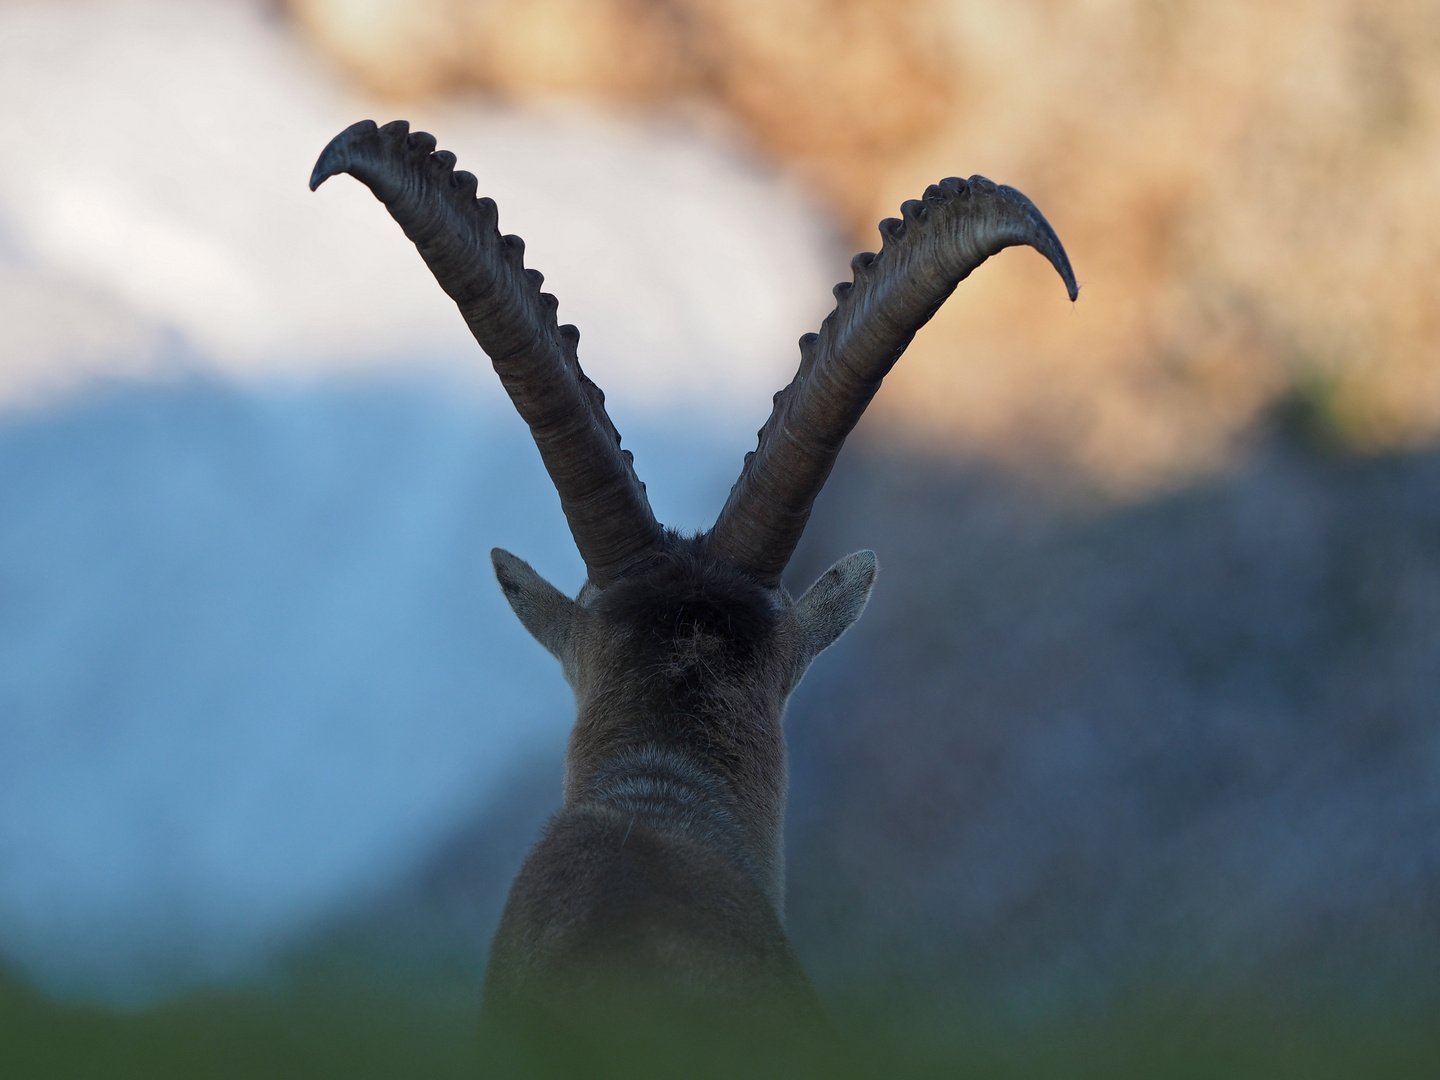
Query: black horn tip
(1068,275)
(1045,241)
(1048,244)
(336,157)
(361,142)
(1034,229)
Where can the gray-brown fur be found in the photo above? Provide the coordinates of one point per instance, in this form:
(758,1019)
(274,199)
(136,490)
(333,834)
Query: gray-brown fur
(662,877)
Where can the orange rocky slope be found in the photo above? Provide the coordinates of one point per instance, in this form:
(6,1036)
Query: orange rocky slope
(1247,191)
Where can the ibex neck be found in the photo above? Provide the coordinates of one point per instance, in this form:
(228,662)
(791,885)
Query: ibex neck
(665,789)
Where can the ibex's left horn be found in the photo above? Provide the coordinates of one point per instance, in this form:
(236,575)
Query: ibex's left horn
(943,237)
(514,322)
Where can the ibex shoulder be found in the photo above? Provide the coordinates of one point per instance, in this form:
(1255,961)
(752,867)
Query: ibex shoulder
(610,893)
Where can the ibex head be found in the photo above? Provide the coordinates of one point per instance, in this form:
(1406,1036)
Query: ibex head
(681,650)
(689,653)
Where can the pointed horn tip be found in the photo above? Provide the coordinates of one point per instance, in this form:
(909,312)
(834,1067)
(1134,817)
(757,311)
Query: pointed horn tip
(1055,252)
(327,164)
(322,172)
(335,158)
(1048,244)
(1045,240)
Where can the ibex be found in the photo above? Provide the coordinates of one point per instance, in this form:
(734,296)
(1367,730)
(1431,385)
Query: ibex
(664,871)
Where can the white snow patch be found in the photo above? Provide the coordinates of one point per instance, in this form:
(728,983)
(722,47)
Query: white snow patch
(159,151)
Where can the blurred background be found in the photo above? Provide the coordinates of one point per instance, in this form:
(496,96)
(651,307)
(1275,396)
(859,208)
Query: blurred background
(1133,764)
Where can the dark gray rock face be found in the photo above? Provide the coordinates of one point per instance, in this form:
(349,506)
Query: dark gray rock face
(1072,750)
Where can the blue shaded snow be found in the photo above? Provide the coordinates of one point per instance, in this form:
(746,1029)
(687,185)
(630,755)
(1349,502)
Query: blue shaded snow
(253,661)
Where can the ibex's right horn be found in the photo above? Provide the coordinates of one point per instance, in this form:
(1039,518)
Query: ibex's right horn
(514,322)
(956,227)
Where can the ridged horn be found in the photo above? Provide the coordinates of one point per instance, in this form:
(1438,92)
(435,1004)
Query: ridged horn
(941,239)
(514,322)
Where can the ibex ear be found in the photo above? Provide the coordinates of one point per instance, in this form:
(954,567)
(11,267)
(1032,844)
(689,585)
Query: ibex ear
(544,610)
(830,605)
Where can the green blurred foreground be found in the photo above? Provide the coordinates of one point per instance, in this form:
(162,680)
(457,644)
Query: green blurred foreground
(329,1024)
